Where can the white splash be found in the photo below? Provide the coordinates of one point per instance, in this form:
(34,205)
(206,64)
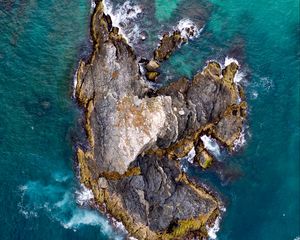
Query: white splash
(212,231)
(75,80)
(229,60)
(84,195)
(132,238)
(58,203)
(297,238)
(240,141)
(122,16)
(211,145)
(93,4)
(190,156)
(239,76)
(188,29)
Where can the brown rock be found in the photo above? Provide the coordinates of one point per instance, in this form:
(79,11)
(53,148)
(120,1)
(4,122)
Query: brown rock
(168,44)
(152,76)
(152,65)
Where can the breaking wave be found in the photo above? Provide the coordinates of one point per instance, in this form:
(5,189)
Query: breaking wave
(122,16)
(211,145)
(239,76)
(188,29)
(60,204)
(241,140)
(188,158)
(214,229)
(84,195)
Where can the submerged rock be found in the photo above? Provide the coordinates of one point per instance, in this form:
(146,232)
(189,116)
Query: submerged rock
(137,134)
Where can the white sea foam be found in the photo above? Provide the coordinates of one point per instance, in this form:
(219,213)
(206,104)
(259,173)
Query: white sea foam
(297,238)
(239,76)
(26,212)
(240,141)
(84,195)
(211,145)
(58,203)
(132,238)
(229,60)
(188,29)
(184,167)
(120,226)
(212,231)
(191,155)
(93,4)
(122,17)
(188,158)
(75,80)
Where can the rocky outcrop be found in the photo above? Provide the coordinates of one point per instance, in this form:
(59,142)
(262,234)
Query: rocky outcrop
(136,134)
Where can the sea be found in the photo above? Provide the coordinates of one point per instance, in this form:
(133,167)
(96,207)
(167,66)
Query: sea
(41,43)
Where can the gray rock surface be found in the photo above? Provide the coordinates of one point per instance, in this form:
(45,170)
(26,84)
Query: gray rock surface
(134,130)
(156,198)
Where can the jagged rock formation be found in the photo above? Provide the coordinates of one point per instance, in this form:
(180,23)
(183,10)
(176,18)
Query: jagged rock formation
(136,135)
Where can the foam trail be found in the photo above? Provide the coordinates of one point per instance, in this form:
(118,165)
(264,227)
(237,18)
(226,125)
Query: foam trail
(84,217)
(211,145)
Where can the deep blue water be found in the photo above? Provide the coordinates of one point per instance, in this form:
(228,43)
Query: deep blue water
(40,45)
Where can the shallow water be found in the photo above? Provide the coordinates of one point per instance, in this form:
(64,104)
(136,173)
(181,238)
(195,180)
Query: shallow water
(40,44)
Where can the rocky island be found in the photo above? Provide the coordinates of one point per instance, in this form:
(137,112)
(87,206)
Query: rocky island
(137,134)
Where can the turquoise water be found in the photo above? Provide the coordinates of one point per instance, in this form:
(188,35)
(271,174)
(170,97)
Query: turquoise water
(39,48)
(40,44)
